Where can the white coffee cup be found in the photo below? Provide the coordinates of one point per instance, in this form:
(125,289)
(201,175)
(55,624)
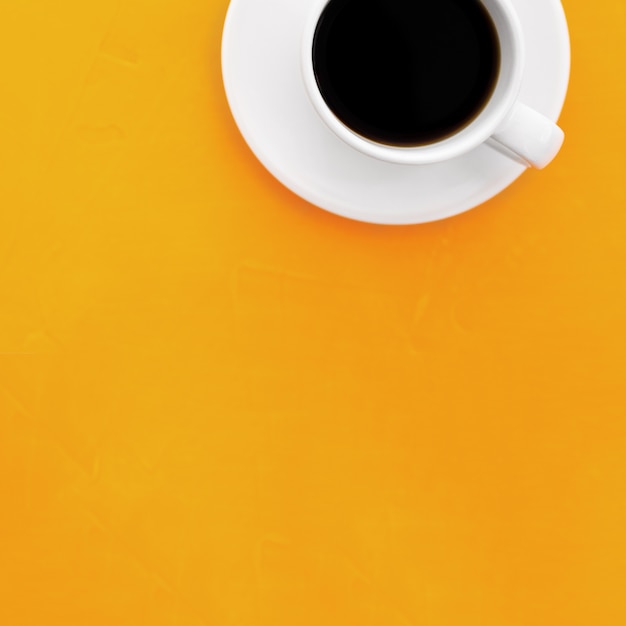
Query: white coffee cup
(505,123)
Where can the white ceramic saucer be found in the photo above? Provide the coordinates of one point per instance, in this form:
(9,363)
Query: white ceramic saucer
(266,93)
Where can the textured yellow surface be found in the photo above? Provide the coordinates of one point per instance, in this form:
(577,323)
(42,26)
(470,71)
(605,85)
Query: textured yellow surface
(222,406)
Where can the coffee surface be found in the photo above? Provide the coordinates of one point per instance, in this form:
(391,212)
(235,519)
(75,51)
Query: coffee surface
(406,72)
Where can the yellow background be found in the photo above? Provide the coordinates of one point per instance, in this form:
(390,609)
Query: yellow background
(220,405)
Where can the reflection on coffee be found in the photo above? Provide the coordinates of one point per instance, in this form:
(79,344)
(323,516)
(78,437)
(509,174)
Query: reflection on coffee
(406,72)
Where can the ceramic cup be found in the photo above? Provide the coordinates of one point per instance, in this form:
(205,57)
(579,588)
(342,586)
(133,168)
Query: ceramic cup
(504,123)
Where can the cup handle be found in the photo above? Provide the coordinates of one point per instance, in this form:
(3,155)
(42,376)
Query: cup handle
(529,137)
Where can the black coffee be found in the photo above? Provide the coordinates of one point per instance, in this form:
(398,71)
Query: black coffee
(406,72)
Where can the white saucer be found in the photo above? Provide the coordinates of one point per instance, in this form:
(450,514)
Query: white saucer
(266,93)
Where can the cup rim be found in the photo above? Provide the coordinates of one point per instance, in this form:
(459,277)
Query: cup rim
(492,116)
